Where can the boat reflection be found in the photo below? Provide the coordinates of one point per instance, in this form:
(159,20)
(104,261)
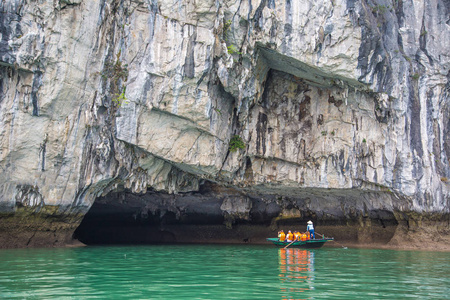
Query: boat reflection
(296,272)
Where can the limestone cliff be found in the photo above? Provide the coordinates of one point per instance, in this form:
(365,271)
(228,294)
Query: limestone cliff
(342,107)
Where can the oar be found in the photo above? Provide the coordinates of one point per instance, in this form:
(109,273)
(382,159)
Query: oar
(290,244)
(334,241)
(323,236)
(340,244)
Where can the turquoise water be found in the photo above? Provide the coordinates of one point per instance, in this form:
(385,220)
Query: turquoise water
(222,272)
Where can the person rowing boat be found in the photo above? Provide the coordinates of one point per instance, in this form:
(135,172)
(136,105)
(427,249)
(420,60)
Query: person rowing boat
(310,229)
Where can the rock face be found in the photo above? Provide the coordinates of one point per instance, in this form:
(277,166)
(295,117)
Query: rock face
(332,110)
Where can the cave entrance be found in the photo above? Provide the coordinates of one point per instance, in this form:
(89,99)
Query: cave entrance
(157,217)
(216,214)
(118,219)
(154,217)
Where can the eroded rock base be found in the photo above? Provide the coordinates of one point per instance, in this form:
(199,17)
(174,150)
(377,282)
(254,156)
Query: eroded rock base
(220,215)
(45,227)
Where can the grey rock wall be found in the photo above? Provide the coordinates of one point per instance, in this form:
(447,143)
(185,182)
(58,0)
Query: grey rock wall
(330,95)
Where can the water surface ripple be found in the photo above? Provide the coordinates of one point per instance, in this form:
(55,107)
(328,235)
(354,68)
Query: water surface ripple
(222,272)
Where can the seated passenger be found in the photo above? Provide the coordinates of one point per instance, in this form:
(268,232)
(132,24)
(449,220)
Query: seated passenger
(289,237)
(281,236)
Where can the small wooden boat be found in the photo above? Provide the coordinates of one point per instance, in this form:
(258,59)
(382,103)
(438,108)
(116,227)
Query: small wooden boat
(315,243)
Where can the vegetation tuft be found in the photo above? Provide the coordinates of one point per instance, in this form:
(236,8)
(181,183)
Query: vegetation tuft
(232,49)
(120,99)
(236,143)
(117,73)
(226,29)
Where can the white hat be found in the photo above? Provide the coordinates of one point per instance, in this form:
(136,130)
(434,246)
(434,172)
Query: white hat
(309,222)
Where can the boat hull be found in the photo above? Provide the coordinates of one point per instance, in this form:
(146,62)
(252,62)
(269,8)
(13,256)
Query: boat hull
(309,244)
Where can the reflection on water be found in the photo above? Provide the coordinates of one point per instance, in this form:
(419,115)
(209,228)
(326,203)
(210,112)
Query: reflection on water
(222,272)
(296,272)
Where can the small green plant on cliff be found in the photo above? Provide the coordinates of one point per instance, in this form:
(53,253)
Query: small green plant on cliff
(226,29)
(324,133)
(236,143)
(380,8)
(232,49)
(117,73)
(415,76)
(120,99)
(364,141)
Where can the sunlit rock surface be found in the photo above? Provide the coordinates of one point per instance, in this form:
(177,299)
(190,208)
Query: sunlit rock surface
(343,107)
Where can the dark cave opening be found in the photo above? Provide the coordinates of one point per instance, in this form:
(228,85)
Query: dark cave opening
(157,217)
(153,217)
(122,217)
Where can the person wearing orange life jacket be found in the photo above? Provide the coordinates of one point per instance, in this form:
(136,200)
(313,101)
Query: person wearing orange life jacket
(281,236)
(296,236)
(289,237)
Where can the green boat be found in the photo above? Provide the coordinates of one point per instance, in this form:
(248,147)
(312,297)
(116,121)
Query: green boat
(315,243)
